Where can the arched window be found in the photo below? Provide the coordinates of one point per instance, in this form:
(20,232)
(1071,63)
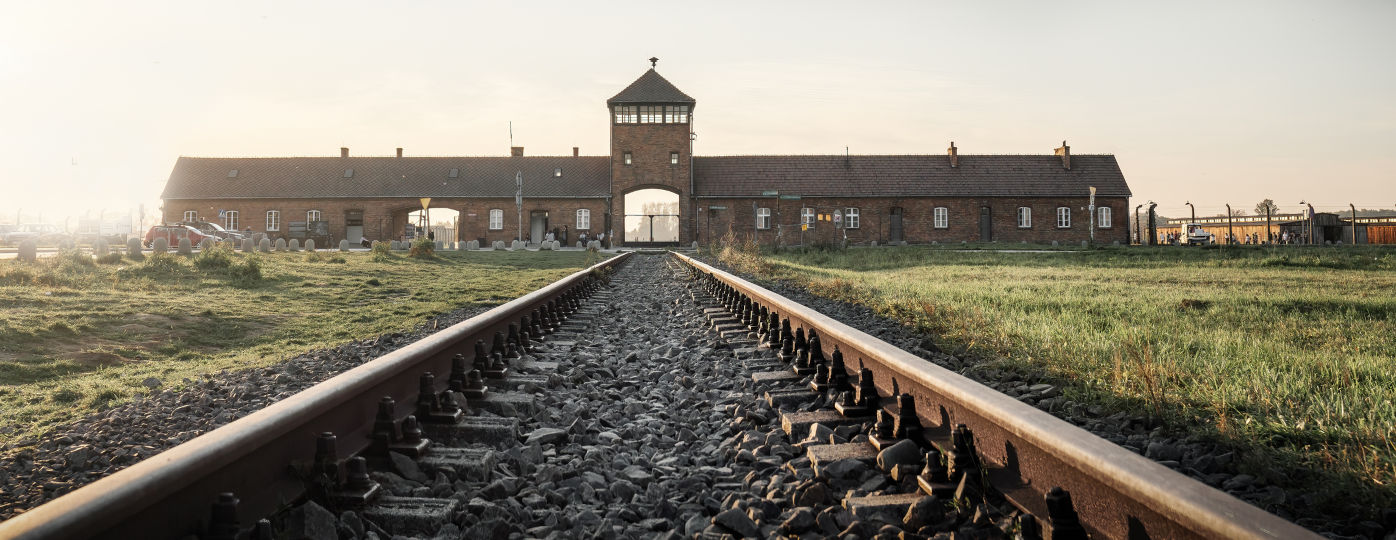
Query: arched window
(1104,217)
(1024,217)
(313,215)
(273,220)
(1063,217)
(230,220)
(191,215)
(496,219)
(942,217)
(583,219)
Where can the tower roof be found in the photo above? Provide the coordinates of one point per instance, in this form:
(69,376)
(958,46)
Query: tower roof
(651,88)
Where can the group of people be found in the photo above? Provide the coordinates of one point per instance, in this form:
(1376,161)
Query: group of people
(1248,239)
(560,235)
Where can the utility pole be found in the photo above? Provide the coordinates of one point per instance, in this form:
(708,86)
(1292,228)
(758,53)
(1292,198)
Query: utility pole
(1354,223)
(518,190)
(1153,224)
(1309,222)
(1229,236)
(1091,208)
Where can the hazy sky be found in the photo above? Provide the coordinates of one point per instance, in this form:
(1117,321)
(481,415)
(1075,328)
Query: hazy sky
(1212,102)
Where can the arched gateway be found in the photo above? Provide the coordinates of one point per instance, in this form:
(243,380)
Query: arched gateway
(652,217)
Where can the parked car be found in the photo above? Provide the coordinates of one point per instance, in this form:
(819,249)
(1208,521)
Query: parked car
(210,228)
(172,234)
(39,232)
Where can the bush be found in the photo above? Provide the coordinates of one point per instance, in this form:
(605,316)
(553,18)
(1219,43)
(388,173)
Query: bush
(422,248)
(247,273)
(73,259)
(216,257)
(381,252)
(161,262)
(110,258)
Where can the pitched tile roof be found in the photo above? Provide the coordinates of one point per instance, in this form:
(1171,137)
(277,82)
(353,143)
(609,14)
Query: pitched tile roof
(327,177)
(909,176)
(651,88)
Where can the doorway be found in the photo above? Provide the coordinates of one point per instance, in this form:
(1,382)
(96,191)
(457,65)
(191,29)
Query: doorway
(894,233)
(537,226)
(652,217)
(986,224)
(353,226)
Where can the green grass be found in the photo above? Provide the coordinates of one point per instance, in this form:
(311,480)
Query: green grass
(76,336)
(1286,354)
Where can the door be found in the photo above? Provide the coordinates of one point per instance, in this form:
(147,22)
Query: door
(894,233)
(353,225)
(538,226)
(986,224)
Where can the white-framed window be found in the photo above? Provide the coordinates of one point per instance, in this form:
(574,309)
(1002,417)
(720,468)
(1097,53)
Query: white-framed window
(941,217)
(1063,217)
(673,158)
(763,218)
(583,219)
(230,220)
(313,215)
(1024,217)
(496,219)
(191,215)
(273,220)
(807,216)
(1103,217)
(651,114)
(627,158)
(850,218)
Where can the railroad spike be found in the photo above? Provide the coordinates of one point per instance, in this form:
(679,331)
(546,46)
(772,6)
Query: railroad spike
(864,399)
(908,425)
(384,426)
(773,330)
(481,361)
(820,384)
(525,340)
(838,373)
(223,518)
(1061,515)
(326,465)
(1027,527)
(458,370)
(411,431)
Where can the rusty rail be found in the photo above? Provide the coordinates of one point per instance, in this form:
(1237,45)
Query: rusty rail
(1117,493)
(170,494)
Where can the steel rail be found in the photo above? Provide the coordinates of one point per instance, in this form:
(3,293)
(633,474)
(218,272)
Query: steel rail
(1117,493)
(170,494)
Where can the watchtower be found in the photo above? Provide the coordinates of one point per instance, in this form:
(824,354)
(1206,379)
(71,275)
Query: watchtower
(651,161)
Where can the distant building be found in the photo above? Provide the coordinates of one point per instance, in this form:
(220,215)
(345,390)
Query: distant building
(651,189)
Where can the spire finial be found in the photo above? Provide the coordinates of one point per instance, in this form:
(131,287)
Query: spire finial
(653,61)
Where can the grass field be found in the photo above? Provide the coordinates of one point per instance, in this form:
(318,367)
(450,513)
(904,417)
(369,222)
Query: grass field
(77,336)
(1288,354)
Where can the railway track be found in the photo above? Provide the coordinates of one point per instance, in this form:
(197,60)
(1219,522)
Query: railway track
(678,401)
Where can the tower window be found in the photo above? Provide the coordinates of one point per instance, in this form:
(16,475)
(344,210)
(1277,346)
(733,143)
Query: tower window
(455,173)
(673,158)
(627,159)
(651,114)
(557,172)
(233,173)
(676,114)
(625,114)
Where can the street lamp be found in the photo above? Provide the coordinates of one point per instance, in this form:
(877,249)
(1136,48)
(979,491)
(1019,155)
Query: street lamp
(1194,211)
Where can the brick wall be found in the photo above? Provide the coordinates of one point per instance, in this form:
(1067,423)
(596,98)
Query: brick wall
(650,145)
(385,219)
(918,226)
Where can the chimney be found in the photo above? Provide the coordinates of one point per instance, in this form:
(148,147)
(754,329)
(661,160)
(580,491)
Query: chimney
(954,155)
(343,151)
(516,151)
(1065,153)
(576,151)
(399,152)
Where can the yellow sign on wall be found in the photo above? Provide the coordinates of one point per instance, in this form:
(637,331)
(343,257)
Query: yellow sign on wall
(426,201)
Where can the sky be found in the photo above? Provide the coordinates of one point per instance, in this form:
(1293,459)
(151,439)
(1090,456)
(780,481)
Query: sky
(1203,102)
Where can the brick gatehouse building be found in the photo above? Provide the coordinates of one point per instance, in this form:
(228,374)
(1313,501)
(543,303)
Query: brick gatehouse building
(651,189)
